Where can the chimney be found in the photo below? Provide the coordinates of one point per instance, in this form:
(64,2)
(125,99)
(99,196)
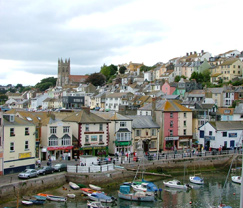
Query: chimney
(202,51)
(190,53)
(187,54)
(195,52)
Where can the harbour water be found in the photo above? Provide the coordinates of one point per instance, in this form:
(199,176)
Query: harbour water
(199,197)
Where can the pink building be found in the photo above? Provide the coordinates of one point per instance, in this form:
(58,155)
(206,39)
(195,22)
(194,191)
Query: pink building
(167,89)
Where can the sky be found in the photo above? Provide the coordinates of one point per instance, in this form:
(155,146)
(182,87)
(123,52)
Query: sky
(35,34)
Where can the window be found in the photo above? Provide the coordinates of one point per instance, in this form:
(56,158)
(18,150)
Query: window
(86,138)
(153,132)
(184,123)
(171,115)
(11,146)
(101,127)
(184,131)
(100,138)
(12,132)
(66,129)
(87,127)
(26,145)
(171,124)
(138,132)
(224,134)
(66,140)
(53,141)
(94,138)
(126,136)
(153,144)
(184,115)
(27,131)
(171,132)
(53,130)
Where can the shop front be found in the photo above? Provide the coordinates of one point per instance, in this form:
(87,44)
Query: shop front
(60,153)
(185,142)
(171,143)
(123,147)
(101,151)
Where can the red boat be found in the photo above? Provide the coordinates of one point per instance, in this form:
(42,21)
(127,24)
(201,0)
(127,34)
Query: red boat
(87,191)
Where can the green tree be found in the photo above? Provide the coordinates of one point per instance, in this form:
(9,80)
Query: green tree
(144,68)
(97,79)
(46,83)
(122,69)
(3,98)
(177,78)
(108,71)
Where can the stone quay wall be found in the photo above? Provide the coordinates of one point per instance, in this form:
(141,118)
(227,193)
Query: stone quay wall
(110,178)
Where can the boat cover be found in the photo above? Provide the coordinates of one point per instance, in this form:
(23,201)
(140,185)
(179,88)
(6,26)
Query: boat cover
(125,189)
(100,196)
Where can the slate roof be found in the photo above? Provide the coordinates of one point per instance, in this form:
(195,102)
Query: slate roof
(17,122)
(142,122)
(239,109)
(167,105)
(228,125)
(111,115)
(84,117)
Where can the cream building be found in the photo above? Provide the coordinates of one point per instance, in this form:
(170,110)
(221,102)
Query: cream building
(19,144)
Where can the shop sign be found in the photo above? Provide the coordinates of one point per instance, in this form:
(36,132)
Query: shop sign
(86,148)
(60,148)
(232,134)
(24,155)
(171,138)
(127,143)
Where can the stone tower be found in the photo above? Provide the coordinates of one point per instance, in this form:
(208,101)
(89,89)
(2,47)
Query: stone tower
(63,72)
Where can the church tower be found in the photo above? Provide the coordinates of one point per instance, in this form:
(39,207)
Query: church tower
(63,72)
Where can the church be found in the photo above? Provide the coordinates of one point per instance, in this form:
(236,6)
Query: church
(64,78)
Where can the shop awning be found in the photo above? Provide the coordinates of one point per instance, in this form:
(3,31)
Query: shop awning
(60,148)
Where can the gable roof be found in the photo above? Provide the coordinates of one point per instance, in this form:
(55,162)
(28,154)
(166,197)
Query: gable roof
(85,117)
(140,122)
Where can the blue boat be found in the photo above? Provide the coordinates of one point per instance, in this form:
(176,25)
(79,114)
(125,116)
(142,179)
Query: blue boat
(101,197)
(38,202)
(40,198)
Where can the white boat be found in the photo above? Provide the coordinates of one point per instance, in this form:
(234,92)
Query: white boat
(101,197)
(25,202)
(72,196)
(97,188)
(196,179)
(177,184)
(124,193)
(74,186)
(236,179)
(56,198)
(95,204)
(145,186)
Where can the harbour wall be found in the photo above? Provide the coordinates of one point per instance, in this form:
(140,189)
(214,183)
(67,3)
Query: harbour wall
(111,178)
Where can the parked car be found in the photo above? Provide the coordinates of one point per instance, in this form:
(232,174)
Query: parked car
(60,167)
(45,170)
(28,173)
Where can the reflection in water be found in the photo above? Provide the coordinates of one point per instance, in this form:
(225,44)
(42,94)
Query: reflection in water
(201,196)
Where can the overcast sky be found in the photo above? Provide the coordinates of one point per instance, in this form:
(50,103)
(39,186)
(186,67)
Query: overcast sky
(35,33)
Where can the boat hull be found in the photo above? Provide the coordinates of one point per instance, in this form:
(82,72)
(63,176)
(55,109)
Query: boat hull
(196,180)
(133,197)
(57,198)
(236,179)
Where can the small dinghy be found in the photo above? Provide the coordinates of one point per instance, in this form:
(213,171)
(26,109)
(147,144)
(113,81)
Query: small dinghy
(97,188)
(25,202)
(74,186)
(72,196)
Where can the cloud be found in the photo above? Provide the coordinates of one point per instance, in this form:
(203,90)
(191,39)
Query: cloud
(34,34)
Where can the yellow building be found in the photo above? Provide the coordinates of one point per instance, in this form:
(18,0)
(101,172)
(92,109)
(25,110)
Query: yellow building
(19,144)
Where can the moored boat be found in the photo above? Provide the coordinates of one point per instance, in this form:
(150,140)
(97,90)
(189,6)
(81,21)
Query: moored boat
(124,193)
(97,188)
(197,180)
(74,186)
(101,197)
(56,198)
(236,179)
(40,198)
(177,184)
(87,191)
(72,196)
(38,202)
(26,202)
